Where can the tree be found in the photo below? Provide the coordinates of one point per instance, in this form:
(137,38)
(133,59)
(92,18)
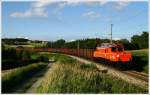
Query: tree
(59,43)
(144,40)
(140,41)
(127,45)
(135,40)
(26,56)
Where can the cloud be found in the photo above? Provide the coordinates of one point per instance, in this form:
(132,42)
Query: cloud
(38,12)
(100,3)
(19,14)
(121,4)
(116,38)
(34,11)
(38,8)
(91,15)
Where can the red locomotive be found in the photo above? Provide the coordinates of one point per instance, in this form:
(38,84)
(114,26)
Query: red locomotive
(113,53)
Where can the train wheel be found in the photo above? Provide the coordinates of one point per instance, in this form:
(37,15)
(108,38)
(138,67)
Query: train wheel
(129,65)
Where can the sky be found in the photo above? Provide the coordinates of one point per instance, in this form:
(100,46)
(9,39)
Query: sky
(50,20)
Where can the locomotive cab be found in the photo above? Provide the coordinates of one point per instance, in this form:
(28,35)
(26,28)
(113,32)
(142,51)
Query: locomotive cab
(112,52)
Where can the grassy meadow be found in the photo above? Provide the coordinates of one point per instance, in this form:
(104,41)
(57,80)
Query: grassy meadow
(140,59)
(14,77)
(30,45)
(70,76)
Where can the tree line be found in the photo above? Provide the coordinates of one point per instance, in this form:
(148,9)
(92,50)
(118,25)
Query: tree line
(15,41)
(137,42)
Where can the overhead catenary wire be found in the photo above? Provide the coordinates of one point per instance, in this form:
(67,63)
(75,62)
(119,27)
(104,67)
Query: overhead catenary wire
(130,19)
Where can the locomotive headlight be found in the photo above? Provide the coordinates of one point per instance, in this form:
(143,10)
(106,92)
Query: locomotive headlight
(117,55)
(113,57)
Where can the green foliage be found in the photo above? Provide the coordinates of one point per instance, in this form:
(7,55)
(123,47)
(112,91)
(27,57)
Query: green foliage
(88,66)
(60,58)
(137,42)
(44,58)
(15,41)
(140,41)
(12,78)
(52,56)
(12,58)
(140,58)
(26,56)
(66,59)
(57,44)
(79,78)
(127,45)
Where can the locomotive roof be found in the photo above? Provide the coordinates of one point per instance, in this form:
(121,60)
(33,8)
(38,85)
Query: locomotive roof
(106,45)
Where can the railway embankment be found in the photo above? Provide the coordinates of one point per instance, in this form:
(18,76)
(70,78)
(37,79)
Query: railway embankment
(128,76)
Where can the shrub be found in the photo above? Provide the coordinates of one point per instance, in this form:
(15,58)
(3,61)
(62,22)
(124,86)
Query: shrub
(12,58)
(66,59)
(44,58)
(88,66)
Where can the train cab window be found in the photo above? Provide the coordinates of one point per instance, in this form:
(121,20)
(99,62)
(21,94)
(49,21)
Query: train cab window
(120,49)
(113,49)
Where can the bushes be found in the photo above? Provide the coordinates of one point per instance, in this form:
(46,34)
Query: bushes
(88,66)
(140,58)
(44,58)
(12,58)
(60,58)
(66,59)
(15,77)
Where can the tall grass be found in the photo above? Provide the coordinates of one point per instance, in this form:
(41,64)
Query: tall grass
(69,76)
(140,58)
(12,78)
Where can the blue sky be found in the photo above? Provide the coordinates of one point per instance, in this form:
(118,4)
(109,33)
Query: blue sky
(71,20)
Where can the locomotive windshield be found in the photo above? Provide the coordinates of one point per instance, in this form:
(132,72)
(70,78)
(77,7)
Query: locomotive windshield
(120,49)
(113,49)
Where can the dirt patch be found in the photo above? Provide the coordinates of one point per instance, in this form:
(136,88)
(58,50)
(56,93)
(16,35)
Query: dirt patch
(38,81)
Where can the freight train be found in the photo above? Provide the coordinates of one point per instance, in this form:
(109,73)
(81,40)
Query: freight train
(111,53)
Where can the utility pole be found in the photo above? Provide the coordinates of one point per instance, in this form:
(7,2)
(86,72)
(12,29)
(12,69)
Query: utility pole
(78,46)
(111,34)
(51,44)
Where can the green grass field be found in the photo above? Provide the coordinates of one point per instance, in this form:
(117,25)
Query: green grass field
(31,45)
(15,77)
(67,75)
(140,58)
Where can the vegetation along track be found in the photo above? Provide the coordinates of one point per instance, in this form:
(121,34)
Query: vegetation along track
(137,75)
(133,77)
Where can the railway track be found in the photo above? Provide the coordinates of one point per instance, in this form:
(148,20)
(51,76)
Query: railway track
(137,78)
(138,75)
(132,73)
